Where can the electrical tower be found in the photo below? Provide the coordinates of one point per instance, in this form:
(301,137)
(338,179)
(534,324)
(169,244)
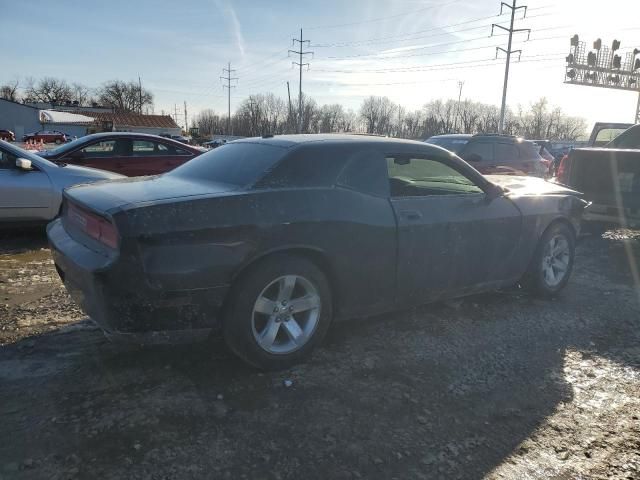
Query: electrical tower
(300,64)
(228,86)
(604,68)
(508,51)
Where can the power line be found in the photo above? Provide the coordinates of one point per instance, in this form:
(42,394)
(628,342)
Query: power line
(440,66)
(228,86)
(381,19)
(300,64)
(508,51)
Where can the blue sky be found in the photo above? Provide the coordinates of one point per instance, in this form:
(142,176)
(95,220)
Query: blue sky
(411,51)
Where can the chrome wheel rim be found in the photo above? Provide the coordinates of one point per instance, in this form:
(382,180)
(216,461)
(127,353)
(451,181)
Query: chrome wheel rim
(555,260)
(285,314)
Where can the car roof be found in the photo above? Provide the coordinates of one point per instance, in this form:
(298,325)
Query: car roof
(329,139)
(454,136)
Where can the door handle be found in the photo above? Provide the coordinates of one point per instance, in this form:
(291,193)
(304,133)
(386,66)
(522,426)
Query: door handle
(411,214)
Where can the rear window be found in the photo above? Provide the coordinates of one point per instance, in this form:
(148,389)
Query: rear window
(628,139)
(606,135)
(239,164)
(452,144)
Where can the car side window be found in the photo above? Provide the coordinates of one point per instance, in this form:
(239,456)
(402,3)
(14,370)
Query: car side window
(506,153)
(366,172)
(307,166)
(419,177)
(142,148)
(169,150)
(483,150)
(99,149)
(107,149)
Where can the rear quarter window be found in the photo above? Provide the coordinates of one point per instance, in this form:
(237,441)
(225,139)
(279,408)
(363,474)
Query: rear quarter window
(366,172)
(307,166)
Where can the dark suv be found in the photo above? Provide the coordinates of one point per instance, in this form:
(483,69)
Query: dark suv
(495,154)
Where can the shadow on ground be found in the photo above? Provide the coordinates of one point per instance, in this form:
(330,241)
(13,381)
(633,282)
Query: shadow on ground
(445,391)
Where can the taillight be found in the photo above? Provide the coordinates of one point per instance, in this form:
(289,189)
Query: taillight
(562,169)
(95,226)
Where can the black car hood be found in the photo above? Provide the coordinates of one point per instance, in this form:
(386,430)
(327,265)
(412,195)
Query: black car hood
(519,185)
(137,191)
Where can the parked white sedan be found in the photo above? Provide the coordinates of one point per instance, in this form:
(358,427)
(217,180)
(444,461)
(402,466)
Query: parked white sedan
(31,187)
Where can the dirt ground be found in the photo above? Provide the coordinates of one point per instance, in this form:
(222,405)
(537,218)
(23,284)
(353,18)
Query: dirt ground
(495,386)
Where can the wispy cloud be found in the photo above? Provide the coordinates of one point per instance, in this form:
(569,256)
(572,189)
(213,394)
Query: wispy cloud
(236,28)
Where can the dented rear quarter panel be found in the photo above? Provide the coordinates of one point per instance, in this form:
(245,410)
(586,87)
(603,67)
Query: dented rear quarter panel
(207,242)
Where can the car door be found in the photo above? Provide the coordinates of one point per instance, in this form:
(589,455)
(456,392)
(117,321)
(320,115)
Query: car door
(24,195)
(149,157)
(108,154)
(452,236)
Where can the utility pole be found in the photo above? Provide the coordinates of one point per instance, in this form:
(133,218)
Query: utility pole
(508,51)
(290,110)
(227,71)
(186,125)
(455,120)
(300,64)
(175,113)
(140,91)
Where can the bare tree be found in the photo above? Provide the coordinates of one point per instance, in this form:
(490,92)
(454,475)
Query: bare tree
(48,90)
(80,94)
(124,96)
(9,91)
(377,113)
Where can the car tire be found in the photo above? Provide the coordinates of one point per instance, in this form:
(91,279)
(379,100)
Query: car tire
(552,262)
(260,324)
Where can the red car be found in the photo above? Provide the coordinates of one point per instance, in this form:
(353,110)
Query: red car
(7,135)
(131,154)
(46,136)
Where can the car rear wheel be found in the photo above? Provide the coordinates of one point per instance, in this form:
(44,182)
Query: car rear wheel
(278,312)
(552,262)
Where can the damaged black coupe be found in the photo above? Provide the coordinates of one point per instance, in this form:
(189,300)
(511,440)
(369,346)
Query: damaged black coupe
(269,239)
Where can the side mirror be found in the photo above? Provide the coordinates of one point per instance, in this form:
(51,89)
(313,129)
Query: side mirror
(24,164)
(473,157)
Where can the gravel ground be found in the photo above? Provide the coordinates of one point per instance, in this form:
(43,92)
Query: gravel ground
(494,386)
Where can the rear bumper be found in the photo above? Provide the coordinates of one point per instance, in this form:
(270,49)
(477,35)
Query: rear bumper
(111,293)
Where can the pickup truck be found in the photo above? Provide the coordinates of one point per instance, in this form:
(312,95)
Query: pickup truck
(609,177)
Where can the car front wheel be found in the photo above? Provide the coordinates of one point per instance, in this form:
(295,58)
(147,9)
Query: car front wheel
(552,262)
(278,312)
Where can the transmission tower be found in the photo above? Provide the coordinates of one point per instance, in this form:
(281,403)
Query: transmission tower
(227,76)
(508,51)
(300,64)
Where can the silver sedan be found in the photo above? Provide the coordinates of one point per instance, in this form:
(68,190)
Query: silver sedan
(31,187)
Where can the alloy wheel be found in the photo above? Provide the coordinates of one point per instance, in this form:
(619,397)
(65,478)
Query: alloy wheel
(555,260)
(285,314)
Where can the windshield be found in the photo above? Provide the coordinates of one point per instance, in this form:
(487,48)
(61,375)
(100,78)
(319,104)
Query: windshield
(454,145)
(239,164)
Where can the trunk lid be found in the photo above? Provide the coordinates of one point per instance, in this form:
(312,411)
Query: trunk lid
(121,193)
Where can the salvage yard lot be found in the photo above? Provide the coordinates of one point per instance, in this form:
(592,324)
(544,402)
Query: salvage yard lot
(499,386)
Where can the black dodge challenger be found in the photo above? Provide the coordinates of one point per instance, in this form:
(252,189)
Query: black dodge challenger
(270,238)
